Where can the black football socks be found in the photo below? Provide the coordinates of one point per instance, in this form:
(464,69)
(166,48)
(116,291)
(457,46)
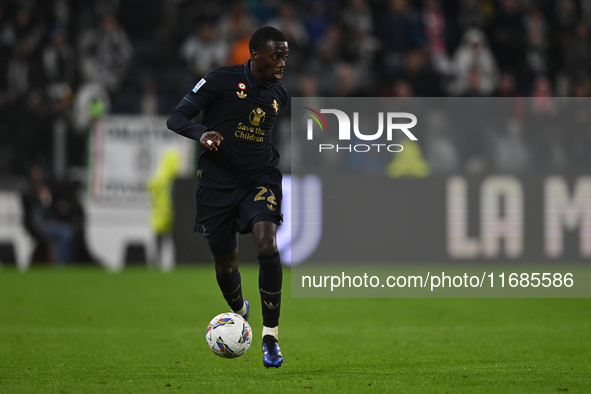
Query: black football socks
(270,280)
(231,288)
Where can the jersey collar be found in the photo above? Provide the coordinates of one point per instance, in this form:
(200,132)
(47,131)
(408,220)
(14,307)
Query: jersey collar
(252,81)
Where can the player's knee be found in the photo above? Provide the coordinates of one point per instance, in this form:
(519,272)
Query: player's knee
(227,263)
(226,270)
(266,247)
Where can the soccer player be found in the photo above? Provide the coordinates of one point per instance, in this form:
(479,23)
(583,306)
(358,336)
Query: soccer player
(239,183)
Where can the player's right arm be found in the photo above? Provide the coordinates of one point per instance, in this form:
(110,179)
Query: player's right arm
(180,122)
(199,98)
(211,140)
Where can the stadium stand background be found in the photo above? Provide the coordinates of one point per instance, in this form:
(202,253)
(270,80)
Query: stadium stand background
(63,62)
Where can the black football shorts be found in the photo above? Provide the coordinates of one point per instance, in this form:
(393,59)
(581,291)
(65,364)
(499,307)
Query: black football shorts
(223,213)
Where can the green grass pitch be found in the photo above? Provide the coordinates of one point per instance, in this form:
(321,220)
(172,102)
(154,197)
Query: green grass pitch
(85,330)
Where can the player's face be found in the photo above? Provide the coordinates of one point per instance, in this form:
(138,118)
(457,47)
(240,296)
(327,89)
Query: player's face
(269,62)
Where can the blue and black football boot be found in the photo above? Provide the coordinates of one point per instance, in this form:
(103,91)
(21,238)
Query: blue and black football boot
(272,356)
(247,310)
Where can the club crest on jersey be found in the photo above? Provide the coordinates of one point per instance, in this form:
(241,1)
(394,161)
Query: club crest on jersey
(242,86)
(275,106)
(199,84)
(257,116)
(241,95)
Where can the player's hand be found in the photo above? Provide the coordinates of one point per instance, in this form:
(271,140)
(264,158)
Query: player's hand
(211,140)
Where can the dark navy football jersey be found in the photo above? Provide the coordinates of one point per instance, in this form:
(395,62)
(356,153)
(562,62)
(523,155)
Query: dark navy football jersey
(243,111)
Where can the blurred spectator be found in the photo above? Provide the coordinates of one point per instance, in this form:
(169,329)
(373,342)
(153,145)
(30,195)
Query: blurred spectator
(506,86)
(537,44)
(59,64)
(290,23)
(398,32)
(235,29)
(237,23)
(21,71)
(541,131)
(543,102)
(55,219)
(309,86)
(580,89)
(30,120)
(419,72)
(565,15)
(106,54)
(145,97)
(150,102)
(58,13)
(562,18)
(440,151)
(90,103)
(577,134)
(46,220)
(22,27)
(357,16)
(473,89)
(435,31)
(346,81)
(328,55)
(473,59)
(577,54)
(473,13)
(472,132)
(586,11)
(316,20)
(204,50)
(87,96)
(402,88)
(510,151)
(263,9)
(507,36)
(240,51)
(359,44)
(160,190)
(330,44)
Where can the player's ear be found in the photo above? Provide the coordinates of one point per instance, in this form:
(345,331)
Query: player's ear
(254,55)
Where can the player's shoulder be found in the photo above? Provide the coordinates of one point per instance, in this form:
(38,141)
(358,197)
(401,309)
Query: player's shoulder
(226,71)
(220,78)
(215,80)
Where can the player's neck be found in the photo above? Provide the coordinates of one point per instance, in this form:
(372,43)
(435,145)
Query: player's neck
(256,73)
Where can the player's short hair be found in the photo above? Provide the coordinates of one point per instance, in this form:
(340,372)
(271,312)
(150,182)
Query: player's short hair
(263,35)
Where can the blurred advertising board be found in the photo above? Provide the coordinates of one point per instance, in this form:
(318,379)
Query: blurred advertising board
(125,152)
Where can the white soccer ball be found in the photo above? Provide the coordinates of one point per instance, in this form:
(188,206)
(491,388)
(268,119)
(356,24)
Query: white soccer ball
(228,335)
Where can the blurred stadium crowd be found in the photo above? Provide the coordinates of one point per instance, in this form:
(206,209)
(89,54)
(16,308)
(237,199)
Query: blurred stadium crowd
(64,63)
